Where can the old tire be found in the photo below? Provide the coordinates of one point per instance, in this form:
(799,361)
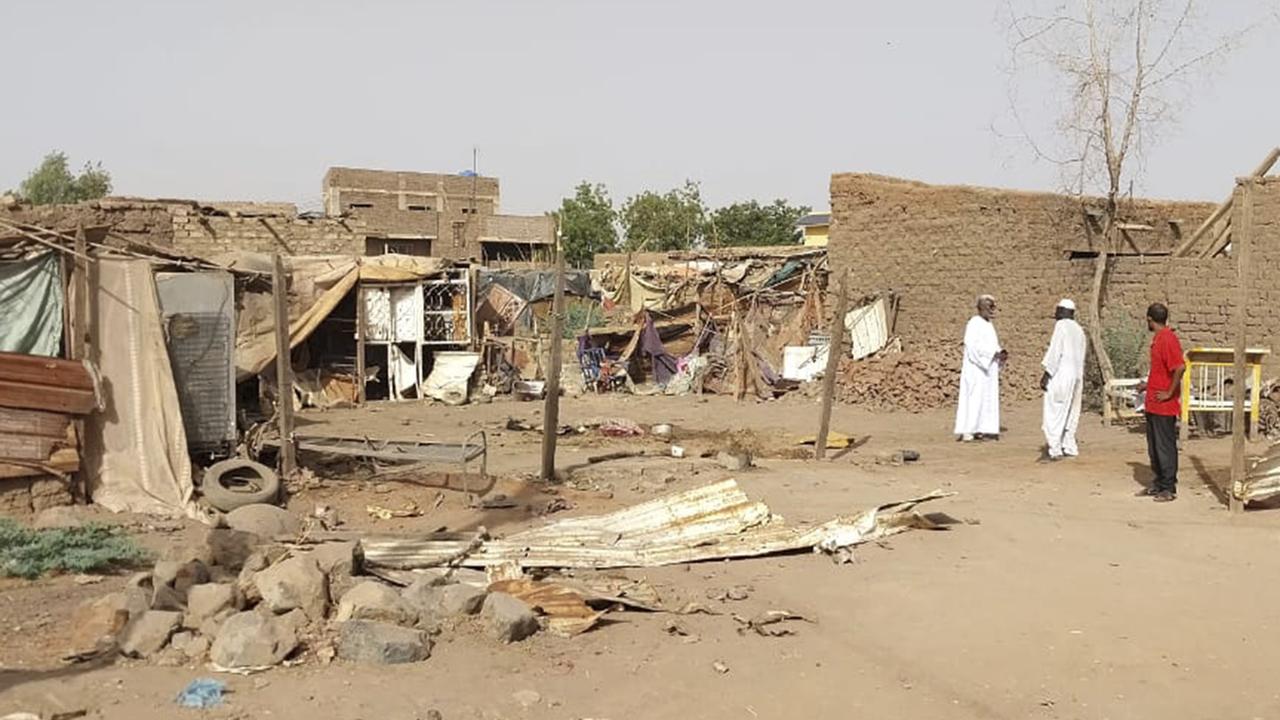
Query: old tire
(237,482)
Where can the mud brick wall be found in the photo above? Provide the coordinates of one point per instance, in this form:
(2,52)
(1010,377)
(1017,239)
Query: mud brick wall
(939,247)
(213,235)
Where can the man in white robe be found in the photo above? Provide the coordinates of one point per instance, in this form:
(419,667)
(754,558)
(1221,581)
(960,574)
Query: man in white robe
(1063,382)
(978,412)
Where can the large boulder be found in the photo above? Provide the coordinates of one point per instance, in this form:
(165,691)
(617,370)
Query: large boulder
(366,641)
(212,602)
(230,548)
(181,576)
(148,633)
(371,600)
(265,521)
(253,639)
(508,618)
(97,623)
(295,583)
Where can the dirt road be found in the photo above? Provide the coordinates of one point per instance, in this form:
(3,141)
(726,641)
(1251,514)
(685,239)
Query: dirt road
(1057,594)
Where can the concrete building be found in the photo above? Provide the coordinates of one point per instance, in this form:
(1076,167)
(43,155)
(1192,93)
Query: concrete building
(814,229)
(454,216)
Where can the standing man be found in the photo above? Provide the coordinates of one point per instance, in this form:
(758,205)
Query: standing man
(978,412)
(1163,404)
(1063,382)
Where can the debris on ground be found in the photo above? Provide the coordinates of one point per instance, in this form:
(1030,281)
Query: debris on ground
(769,623)
(564,610)
(713,522)
(202,693)
(618,427)
(378,512)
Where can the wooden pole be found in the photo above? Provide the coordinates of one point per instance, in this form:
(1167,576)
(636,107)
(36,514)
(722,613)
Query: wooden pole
(1242,246)
(1263,168)
(80,297)
(284,368)
(551,409)
(835,348)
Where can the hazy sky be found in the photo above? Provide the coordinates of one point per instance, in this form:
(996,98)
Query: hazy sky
(254,99)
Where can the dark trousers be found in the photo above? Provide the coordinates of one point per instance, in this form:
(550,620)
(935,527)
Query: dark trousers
(1162,448)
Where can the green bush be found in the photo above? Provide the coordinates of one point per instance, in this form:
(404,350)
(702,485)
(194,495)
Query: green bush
(31,553)
(1127,344)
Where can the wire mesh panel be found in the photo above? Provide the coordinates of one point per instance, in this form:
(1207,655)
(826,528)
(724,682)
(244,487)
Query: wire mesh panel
(447,309)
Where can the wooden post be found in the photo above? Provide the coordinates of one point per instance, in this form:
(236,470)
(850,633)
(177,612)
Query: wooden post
(1241,249)
(835,348)
(360,359)
(80,298)
(284,368)
(551,409)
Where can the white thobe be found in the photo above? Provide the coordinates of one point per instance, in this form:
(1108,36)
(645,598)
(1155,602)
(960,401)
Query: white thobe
(1064,361)
(979,409)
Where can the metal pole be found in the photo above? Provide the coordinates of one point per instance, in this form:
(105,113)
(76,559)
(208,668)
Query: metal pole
(835,348)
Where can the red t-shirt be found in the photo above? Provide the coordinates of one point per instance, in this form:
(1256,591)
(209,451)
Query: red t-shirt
(1166,356)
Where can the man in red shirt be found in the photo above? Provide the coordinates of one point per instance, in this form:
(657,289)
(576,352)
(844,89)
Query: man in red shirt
(1163,405)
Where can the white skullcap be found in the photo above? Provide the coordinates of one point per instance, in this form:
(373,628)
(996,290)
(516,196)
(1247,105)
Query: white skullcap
(1066,304)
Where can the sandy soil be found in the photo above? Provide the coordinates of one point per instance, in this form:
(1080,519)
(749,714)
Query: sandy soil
(1057,594)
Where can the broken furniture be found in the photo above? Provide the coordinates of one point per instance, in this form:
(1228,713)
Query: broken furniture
(1207,383)
(199,314)
(416,452)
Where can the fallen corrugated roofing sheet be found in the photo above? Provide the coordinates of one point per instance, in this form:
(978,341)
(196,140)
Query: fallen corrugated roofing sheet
(713,522)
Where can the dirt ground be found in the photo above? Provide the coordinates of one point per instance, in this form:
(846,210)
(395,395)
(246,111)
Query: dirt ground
(1056,594)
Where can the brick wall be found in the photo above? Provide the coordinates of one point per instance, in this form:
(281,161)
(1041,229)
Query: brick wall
(940,247)
(211,235)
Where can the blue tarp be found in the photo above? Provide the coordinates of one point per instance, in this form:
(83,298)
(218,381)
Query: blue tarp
(31,303)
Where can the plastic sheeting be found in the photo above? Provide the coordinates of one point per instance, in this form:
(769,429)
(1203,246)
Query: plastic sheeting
(135,452)
(449,376)
(31,303)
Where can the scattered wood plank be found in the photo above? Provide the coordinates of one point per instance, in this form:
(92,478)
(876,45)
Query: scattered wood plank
(25,395)
(37,370)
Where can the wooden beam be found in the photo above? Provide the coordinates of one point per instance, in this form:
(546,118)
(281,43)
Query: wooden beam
(46,371)
(47,397)
(80,297)
(1220,241)
(551,408)
(284,368)
(1240,317)
(1263,168)
(835,349)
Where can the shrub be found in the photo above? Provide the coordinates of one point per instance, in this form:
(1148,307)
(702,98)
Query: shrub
(29,553)
(1126,342)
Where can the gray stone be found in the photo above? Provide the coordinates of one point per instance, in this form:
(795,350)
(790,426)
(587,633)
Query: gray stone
(462,599)
(371,600)
(181,640)
(255,563)
(374,642)
(230,548)
(335,556)
(295,583)
(295,620)
(252,639)
(100,621)
(181,576)
(265,521)
(197,648)
(734,459)
(508,618)
(209,602)
(147,634)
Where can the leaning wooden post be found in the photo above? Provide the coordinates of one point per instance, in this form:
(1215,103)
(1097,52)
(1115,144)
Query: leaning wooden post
(284,368)
(551,409)
(1241,249)
(835,348)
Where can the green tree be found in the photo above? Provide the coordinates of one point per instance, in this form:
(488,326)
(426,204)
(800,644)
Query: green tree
(53,182)
(588,224)
(674,220)
(750,223)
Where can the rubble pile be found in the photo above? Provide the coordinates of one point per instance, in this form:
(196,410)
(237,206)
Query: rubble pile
(913,380)
(242,604)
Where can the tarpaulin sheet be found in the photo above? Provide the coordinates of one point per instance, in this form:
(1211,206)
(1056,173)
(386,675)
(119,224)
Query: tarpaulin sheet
(135,448)
(534,285)
(31,303)
(317,284)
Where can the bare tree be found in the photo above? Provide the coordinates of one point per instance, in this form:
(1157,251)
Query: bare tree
(1121,68)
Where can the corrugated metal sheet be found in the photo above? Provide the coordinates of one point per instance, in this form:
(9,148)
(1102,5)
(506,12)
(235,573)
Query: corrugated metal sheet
(716,521)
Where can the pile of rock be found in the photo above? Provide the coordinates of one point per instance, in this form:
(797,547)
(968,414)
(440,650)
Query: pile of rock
(242,603)
(914,381)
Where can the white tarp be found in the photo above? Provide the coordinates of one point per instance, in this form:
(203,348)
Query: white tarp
(450,373)
(803,362)
(868,328)
(135,453)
